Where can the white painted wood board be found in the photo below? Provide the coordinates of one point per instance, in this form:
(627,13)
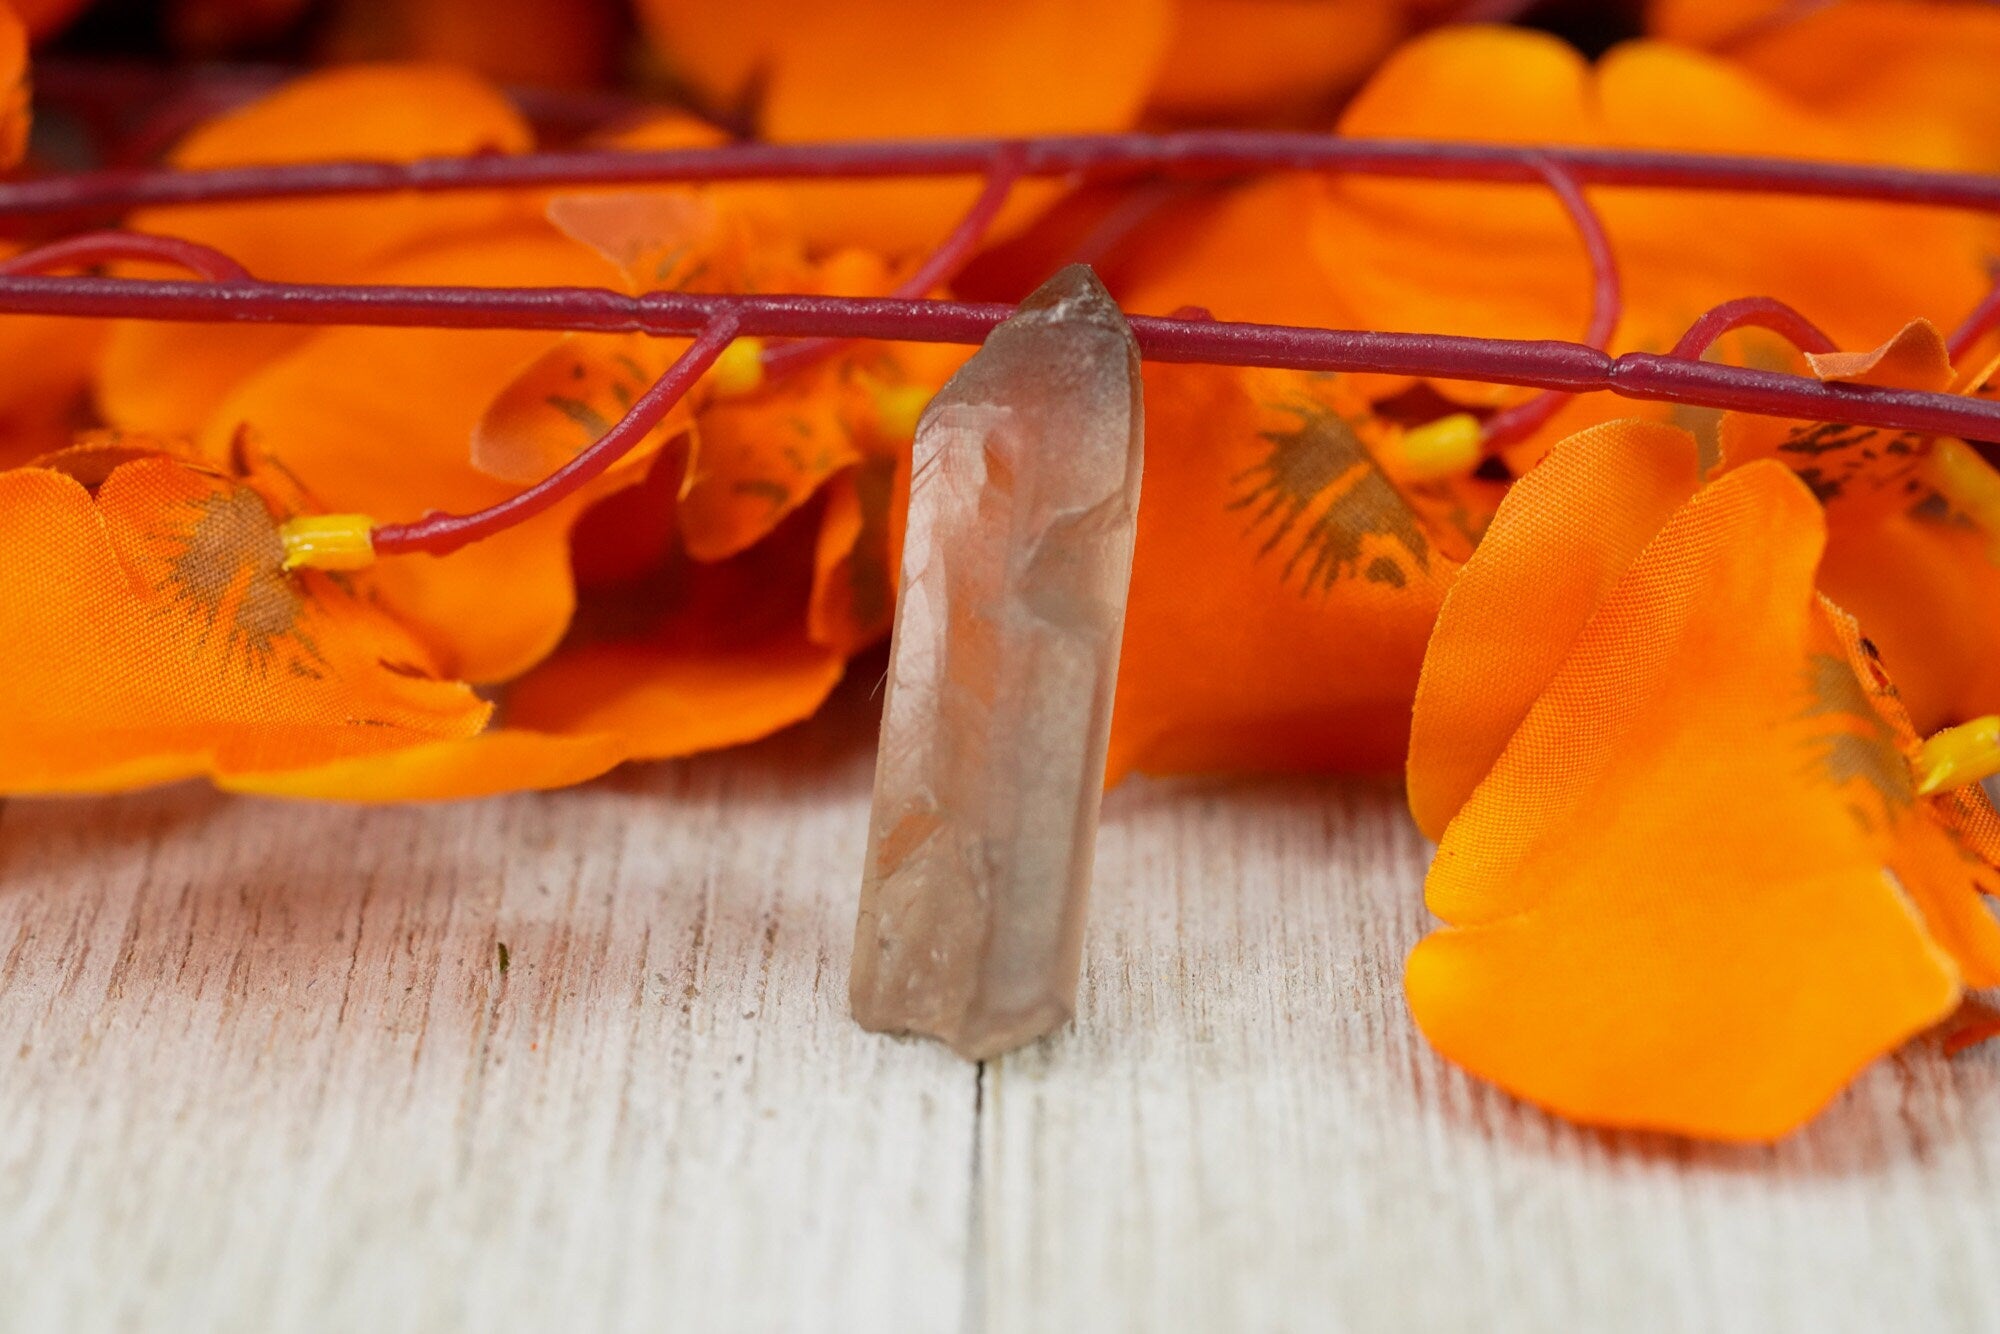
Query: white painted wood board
(260,1070)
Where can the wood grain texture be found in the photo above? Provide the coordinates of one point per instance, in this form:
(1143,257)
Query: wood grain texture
(260,1069)
(263,1070)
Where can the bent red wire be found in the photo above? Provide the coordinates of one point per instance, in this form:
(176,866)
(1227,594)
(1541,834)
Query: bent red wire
(1540,364)
(1983,320)
(93,248)
(1761,312)
(937,269)
(1607,302)
(1199,154)
(442,534)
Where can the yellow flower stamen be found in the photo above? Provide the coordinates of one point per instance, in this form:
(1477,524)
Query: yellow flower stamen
(740,368)
(1971,485)
(1448,447)
(328,541)
(899,407)
(1960,756)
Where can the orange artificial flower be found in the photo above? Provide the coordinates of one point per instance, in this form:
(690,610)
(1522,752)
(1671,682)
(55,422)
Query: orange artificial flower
(1514,265)
(721,594)
(791,68)
(667,656)
(155,633)
(37,410)
(1265,60)
(378,422)
(759,451)
(1917,73)
(13,87)
(1690,880)
(171,377)
(1913,535)
(1285,578)
(1506,261)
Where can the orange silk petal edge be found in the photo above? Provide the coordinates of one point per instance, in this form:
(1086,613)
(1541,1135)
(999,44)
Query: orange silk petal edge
(1671,917)
(1915,358)
(1282,582)
(1560,542)
(506,760)
(157,637)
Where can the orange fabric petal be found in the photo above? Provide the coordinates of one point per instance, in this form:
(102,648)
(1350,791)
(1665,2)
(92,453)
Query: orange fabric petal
(1974,1023)
(38,411)
(507,760)
(858,555)
(1916,72)
(663,661)
(755,457)
(13,87)
(1561,542)
(693,240)
(998,67)
(1900,557)
(169,377)
(1924,584)
(568,399)
(1915,358)
(758,458)
(1942,848)
(1231,59)
(1282,586)
(156,637)
(1713,22)
(775,205)
(761,453)
(663,700)
(693,657)
(1504,260)
(377,421)
(1669,898)
(1246,255)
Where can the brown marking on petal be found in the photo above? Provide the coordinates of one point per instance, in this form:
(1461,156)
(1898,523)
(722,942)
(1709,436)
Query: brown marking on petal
(1860,745)
(580,412)
(1319,491)
(227,570)
(776,492)
(1843,456)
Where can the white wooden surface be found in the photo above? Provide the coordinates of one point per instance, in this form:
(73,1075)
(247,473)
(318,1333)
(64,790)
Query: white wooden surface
(260,1070)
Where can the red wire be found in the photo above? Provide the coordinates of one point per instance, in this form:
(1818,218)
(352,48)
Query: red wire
(1607,301)
(937,269)
(1762,312)
(93,248)
(440,534)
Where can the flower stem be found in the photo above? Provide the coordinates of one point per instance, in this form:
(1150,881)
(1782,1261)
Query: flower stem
(1762,312)
(1198,154)
(91,248)
(441,534)
(1983,320)
(937,269)
(1606,304)
(1541,364)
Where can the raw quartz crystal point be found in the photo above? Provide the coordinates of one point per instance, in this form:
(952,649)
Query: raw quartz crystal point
(1018,555)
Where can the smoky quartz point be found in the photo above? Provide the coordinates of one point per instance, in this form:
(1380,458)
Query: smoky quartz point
(1023,500)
